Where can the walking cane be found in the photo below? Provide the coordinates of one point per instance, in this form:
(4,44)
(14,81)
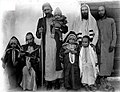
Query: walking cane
(42,58)
(42,54)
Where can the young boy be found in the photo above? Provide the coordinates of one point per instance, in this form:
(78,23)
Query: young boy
(70,56)
(88,64)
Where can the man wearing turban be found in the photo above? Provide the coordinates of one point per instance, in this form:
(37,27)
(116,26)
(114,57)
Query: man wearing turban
(50,45)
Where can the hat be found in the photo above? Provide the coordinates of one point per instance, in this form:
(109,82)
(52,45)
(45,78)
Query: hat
(46,5)
(57,11)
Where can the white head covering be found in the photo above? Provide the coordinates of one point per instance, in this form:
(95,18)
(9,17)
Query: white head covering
(91,19)
(80,26)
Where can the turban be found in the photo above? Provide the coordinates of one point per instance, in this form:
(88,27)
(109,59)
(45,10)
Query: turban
(46,5)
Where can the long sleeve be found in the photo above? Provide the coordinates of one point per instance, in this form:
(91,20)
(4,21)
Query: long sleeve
(114,36)
(39,25)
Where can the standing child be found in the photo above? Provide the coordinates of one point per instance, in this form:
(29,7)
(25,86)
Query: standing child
(88,64)
(70,55)
(11,61)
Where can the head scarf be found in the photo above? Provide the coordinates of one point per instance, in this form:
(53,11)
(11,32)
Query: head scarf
(71,35)
(91,26)
(46,5)
(9,44)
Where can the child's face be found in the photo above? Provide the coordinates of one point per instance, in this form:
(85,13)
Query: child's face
(57,16)
(71,40)
(85,42)
(13,42)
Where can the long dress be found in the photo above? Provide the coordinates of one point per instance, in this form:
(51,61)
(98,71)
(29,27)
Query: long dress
(50,57)
(71,70)
(107,37)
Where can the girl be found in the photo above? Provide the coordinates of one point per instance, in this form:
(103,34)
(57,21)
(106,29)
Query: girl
(69,54)
(11,61)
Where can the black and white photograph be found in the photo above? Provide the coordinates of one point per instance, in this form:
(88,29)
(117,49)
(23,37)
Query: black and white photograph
(60,45)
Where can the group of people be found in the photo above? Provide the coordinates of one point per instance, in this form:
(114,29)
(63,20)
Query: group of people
(83,59)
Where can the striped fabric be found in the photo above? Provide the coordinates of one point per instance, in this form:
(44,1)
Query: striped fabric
(91,35)
(79,37)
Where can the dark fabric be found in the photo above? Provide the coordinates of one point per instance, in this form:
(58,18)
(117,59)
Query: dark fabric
(71,71)
(42,23)
(12,68)
(35,56)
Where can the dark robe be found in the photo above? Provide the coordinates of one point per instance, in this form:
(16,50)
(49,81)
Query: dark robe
(71,71)
(12,67)
(42,23)
(35,60)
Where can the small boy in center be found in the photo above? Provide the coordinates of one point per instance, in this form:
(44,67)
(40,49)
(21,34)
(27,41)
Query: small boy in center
(88,64)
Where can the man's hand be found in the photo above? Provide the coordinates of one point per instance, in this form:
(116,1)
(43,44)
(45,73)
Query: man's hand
(40,29)
(111,48)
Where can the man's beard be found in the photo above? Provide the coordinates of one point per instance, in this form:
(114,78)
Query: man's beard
(101,16)
(48,15)
(85,16)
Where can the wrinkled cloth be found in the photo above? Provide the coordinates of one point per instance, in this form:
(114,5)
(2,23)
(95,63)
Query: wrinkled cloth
(28,80)
(11,62)
(107,38)
(87,65)
(83,26)
(50,59)
(71,70)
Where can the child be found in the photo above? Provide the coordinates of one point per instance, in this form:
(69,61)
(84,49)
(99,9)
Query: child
(11,61)
(28,80)
(69,53)
(88,64)
(58,21)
